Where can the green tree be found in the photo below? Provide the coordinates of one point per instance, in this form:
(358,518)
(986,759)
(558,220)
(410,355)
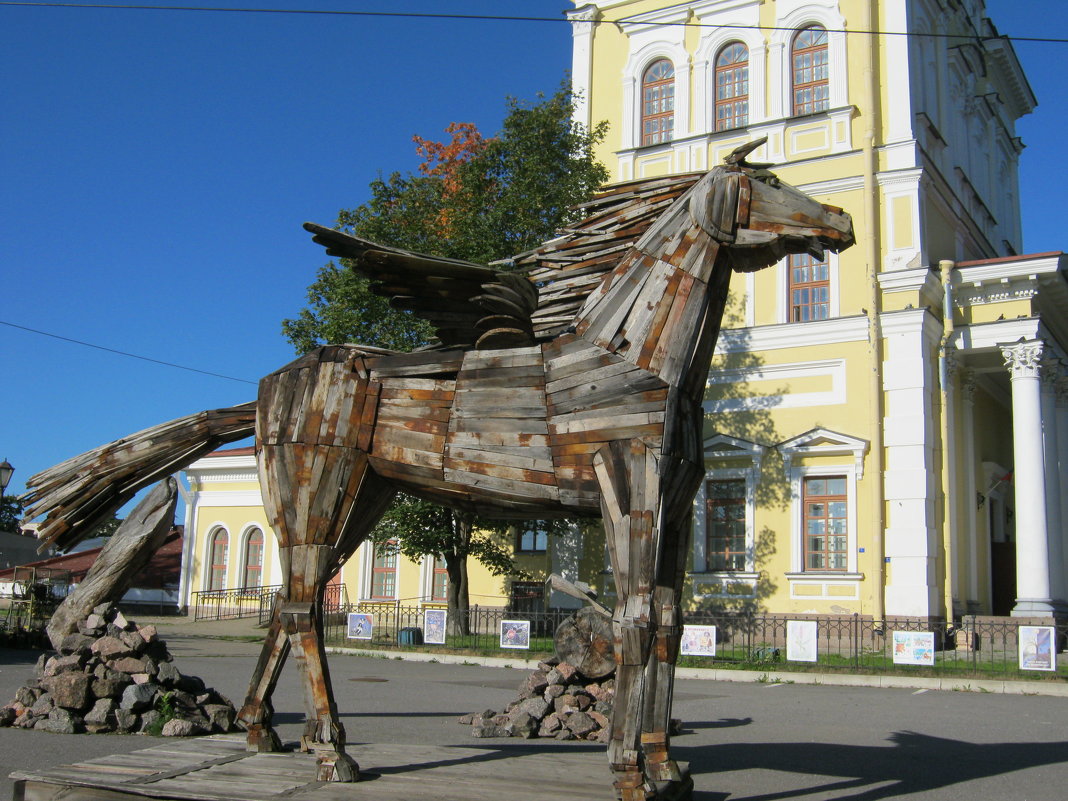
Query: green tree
(477,199)
(10,513)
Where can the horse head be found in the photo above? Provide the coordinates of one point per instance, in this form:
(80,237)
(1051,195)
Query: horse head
(761,218)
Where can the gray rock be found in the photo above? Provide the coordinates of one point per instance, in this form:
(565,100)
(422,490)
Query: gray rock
(553,691)
(69,690)
(107,688)
(102,716)
(220,717)
(191,684)
(95,621)
(138,697)
(120,621)
(102,610)
(73,643)
(27,720)
(43,705)
(27,696)
(149,719)
(42,660)
(111,648)
(580,723)
(523,725)
(126,721)
(488,730)
(128,664)
(63,664)
(134,640)
(167,674)
(182,728)
(535,707)
(7,715)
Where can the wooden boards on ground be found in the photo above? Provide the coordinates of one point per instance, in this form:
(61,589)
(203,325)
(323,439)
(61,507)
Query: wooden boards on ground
(220,769)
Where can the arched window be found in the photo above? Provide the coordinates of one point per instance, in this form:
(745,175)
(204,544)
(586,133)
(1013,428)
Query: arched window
(810,74)
(218,553)
(732,87)
(658,102)
(253,559)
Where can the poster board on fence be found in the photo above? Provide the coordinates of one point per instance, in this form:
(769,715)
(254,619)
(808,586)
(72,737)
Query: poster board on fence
(914,648)
(801,640)
(515,634)
(698,640)
(1036,648)
(360,626)
(434,626)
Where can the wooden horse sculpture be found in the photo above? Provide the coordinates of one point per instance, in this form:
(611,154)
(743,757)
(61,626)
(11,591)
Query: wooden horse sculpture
(568,386)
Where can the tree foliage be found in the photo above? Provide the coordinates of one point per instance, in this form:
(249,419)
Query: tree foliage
(473,198)
(10,513)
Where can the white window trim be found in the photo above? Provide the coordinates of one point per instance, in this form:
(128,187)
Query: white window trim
(638,62)
(779,63)
(246,532)
(797,524)
(205,578)
(712,41)
(724,447)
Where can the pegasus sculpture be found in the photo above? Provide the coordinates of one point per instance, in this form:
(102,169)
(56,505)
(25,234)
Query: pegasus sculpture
(569,385)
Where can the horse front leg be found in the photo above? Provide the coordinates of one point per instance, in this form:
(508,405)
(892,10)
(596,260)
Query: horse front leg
(630,498)
(256,714)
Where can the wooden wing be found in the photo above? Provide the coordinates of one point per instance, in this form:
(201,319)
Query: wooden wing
(468,304)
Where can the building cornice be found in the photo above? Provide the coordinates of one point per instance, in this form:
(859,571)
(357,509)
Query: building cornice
(793,335)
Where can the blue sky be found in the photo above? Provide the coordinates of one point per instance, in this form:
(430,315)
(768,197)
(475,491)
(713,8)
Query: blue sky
(156,167)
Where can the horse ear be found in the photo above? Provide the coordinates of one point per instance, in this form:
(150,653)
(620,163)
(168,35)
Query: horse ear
(717,209)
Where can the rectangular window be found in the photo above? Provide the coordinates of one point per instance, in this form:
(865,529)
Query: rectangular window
(725,524)
(440,586)
(533,540)
(384,572)
(809,288)
(824,518)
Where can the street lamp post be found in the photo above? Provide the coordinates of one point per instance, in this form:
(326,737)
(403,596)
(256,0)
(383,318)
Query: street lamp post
(5,476)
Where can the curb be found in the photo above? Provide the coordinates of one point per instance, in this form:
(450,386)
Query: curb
(949,684)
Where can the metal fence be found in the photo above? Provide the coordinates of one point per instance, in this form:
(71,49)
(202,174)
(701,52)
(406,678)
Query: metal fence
(977,645)
(402,625)
(257,602)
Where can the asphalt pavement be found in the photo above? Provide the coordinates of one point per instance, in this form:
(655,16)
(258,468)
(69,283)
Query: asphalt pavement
(745,741)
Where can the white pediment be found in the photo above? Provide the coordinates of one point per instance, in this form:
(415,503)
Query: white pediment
(824,442)
(723,446)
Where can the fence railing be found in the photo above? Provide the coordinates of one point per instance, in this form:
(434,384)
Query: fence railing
(233,602)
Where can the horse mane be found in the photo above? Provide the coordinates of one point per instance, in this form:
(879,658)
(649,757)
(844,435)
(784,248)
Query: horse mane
(568,268)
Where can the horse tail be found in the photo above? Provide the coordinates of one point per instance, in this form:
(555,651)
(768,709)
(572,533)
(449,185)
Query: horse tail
(82,492)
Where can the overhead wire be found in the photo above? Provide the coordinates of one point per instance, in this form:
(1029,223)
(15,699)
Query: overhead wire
(125,353)
(500,18)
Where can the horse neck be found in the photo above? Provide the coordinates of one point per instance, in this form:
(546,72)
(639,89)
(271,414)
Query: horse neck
(653,309)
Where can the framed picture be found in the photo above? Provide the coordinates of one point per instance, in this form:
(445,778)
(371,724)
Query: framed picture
(515,634)
(434,626)
(698,640)
(913,648)
(360,626)
(801,640)
(1036,648)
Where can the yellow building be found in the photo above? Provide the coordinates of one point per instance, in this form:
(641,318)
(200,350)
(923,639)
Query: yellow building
(231,546)
(844,407)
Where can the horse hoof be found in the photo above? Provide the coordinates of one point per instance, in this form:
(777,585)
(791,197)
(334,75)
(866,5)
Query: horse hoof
(337,767)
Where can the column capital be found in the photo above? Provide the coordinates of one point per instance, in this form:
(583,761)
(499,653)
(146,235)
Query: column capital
(968,385)
(1024,358)
(1052,371)
(587,14)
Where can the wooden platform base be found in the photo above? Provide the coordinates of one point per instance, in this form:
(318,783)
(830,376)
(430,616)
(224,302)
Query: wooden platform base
(220,769)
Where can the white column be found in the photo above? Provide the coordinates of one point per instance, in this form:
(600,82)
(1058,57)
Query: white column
(582,21)
(1051,370)
(971,522)
(1032,551)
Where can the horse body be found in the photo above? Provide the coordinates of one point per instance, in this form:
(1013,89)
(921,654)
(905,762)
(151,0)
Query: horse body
(556,403)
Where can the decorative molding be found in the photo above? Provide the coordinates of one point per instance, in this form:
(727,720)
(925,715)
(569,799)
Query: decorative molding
(1024,359)
(835,369)
(722,446)
(824,442)
(793,335)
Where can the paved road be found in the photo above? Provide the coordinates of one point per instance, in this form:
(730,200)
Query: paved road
(745,742)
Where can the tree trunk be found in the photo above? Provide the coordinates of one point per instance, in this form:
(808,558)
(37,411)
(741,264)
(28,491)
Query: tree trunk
(459,601)
(124,555)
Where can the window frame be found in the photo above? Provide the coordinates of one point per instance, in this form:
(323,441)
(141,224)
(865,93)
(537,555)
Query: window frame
(388,572)
(537,534)
(738,120)
(662,136)
(216,568)
(791,287)
(828,498)
(814,107)
(245,565)
(741,500)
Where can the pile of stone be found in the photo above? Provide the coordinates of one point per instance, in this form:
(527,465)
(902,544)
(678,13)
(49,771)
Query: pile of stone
(115,676)
(554,701)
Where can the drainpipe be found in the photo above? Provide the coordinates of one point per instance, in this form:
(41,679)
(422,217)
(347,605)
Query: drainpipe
(870,108)
(949,533)
(186,572)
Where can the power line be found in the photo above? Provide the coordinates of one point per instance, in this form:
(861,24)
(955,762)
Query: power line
(505,18)
(124,353)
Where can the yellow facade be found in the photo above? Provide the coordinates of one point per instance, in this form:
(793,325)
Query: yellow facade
(873,395)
